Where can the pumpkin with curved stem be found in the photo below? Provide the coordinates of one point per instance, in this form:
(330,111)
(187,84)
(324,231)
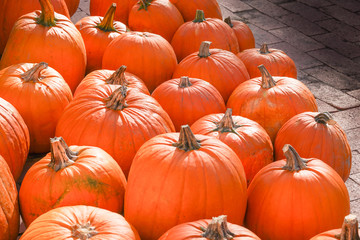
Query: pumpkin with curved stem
(99,8)
(188,99)
(243,34)
(271,101)
(68,176)
(72,6)
(181,177)
(47,37)
(97,33)
(304,191)
(28,86)
(190,35)
(316,135)
(247,138)
(221,68)
(80,222)
(188,8)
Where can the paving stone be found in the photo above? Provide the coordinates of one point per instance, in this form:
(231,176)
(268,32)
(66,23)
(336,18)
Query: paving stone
(324,107)
(336,61)
(355,207)
(227,13)
(352,5)
(236,6)
(348,119)
(342,14)
(332,96)
(333,78)
(353,188)
(78,15)
(355,93)
(345,31)
(301,24)
(305,78)
(355,165)
(316,3)
(261,20)
(262,36)
(281,1)
(267,7)
(297,39)
(307,12)
(85,6)
(357,60)
(353,138)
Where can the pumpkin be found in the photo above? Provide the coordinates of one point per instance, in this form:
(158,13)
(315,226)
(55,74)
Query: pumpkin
(316,135)
(156,16)
(47,37)
(116,119)
(72,6)
(276,61)
(40,95)
(14,138)
(215,229)
(188,99)
(80,222)
(243,34)
(11,10)
(189,36)
(247,138)
(271,101)
(68,176)
(97,32)
(181,177)
(9,206)
(221,68)
(147,55)
(118,77)
(296,198)
(188,8)
(99,8)
(349,231)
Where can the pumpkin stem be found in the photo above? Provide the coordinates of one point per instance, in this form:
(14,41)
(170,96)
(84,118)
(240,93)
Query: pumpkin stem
(61,155)
(184,82)
(227,124)
(267,79)
(293,161)
(349,230)
(218,229)
(116,101)
(83,231)
(47,16)
(33,74)
(144,4)
(118,77)
(264,49)
(228,21)
(199,16)
(325,118)
(204,50)
(187,140)
(107,24)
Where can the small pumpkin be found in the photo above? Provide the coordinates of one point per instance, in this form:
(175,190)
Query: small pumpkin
(188,8)
(99,8)
(72,6)
(243,34)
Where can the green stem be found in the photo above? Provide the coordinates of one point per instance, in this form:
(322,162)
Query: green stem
(107,24)
(228,21)
(325,118)
(144,4)
(47,16)
(264,49)
(199,16)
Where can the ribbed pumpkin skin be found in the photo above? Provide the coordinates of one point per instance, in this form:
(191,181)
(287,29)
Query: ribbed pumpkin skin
(192,230)
(186,105)
(57,224)
(40,104)
(188,8)
(329,235)
(244,35)
(86,121)
(168,186)
(250,141)
(11,10)
(94,179)
(147,55)
(61,46)
(14,138)
(99,8)
(72,6)
(317,140)
(296,205)
(9,206)
(272,107)
(222,69)
(161,17)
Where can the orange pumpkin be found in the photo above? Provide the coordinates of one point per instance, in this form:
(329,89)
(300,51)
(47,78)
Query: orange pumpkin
(188,8)
(40,95)
(97,33)
(99,8)
(177,178)
(221,68)
(190,35)
(72,6)
(271,101)
(47,37)
(275,61)
(80,222)
(247,138)
(68,176)
(243,34)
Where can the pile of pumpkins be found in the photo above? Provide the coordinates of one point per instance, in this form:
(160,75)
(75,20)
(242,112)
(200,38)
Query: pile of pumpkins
(176,126)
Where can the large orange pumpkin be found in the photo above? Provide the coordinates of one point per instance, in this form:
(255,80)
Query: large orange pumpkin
(99,8)
(80,222)
(316,135)
(177,178)
(40,95)
(247,138)
(271,101)
(221,68)
(296,199)
(190,35)
(68,176)
(47,37)
(72,6)
(188,99)
(188,8)
(147,55)
(243,34)
(97,32)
